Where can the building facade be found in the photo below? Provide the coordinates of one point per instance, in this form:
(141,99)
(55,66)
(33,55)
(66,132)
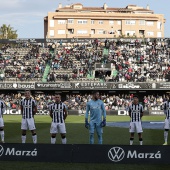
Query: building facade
(77,21)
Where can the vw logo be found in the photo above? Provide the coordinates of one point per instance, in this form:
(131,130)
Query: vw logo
(1,150)
(116,154)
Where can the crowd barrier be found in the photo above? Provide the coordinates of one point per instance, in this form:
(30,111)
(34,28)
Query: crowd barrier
(86,153)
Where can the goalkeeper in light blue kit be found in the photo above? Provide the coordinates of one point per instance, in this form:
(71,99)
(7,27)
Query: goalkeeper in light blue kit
(97,111)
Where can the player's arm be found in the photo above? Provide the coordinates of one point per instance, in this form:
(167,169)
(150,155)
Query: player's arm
(87,112)
(65,112)
(34,108)
(87,115)
(103,123)
(50,110)
(141,111)
(164,107)
(104,111)
(51,114)
(21,108)
(3,108)
(129,111)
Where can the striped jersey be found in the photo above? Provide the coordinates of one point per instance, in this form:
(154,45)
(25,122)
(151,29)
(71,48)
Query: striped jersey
(2,107)
(136,110)
(167,109)
(27,107)
(57,112)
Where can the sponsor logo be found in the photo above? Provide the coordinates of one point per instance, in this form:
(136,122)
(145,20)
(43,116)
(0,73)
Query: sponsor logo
(157,112)
(129,86)
(122,112)
(164,85)
(54,85)
(15,85)
(26,86)
(1,150)
(153,85)
(18,112)
(90,85)
(116,154)
(15,152)
(135,154)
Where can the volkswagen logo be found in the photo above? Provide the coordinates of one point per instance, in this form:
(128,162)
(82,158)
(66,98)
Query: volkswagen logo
(1,150)
(116,154)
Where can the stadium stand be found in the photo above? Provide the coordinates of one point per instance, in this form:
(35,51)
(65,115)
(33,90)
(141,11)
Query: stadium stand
(134,61)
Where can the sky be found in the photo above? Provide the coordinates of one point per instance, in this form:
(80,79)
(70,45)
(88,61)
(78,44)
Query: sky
(27,16)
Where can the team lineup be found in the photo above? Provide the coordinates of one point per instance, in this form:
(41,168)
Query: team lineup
(95,118)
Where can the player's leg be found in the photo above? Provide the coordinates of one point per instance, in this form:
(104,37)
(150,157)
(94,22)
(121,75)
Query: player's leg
(166,127)
(99,131)
(139,131)
(53,138)
(62,130)
(91,132)
(32,128)
(53,132)
(63,138)
(2,130)
(34,136)
(140,138)
(132,131)
(24,128)
(2,134)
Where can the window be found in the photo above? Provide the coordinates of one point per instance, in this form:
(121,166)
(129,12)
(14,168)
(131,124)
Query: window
(92,21)
(92,31)
(70,21)
(142,32)
(100,22)
(111,22)
(141,22)
(82,32)
(51,23)
(119,32)
(119,22)
(51,33)
(70,31)
(150,23)
(61,31)
(159,34)
(158,25)
(150,33)
(130,33)
(82,21)
(130,22)
(100,32)
(61,21)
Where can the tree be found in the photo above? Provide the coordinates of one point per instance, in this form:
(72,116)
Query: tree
(7,32)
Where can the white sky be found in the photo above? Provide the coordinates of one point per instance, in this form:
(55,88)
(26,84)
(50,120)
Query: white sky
(27,16)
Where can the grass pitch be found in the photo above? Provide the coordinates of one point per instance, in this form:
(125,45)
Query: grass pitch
(78,134)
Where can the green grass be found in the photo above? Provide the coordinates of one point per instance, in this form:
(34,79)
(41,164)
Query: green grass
(78,166)
(78,134)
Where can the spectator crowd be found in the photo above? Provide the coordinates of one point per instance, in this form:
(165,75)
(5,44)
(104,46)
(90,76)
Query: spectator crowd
(78,101)
(133,61)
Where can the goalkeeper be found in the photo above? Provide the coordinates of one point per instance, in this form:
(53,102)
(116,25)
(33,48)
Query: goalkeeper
(97,111)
